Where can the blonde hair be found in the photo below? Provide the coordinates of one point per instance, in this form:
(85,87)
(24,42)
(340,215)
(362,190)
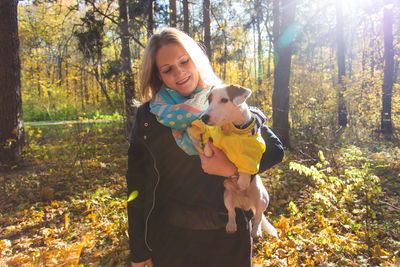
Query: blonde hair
(149,81)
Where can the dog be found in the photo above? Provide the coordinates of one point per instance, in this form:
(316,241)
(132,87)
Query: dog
(226,114)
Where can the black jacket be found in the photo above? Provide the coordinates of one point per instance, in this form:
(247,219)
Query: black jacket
(172,185)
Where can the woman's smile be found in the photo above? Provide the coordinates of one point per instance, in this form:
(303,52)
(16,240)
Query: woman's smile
(183,81)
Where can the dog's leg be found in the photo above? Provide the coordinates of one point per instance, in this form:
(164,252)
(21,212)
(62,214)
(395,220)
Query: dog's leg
(244,180)
(260,207)
(256,231)
(263,204)
(260,199)
(207,150)
(231,226)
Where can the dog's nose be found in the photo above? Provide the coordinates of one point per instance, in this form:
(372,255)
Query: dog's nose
(205,118)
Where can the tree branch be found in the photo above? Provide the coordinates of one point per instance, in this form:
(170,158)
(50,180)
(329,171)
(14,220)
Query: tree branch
(92,2)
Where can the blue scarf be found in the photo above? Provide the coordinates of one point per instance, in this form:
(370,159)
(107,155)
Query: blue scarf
(178,112)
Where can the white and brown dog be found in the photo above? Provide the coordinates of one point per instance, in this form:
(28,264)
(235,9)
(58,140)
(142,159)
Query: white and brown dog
(227,114)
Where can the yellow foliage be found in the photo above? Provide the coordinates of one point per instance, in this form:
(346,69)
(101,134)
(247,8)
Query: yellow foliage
(378,251)
(321,220)
(283,224)
(92,216)
(66,220)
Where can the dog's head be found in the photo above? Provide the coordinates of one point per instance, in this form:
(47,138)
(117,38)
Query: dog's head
(226,103)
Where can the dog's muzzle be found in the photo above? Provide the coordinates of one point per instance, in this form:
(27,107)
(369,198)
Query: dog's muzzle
(205,118)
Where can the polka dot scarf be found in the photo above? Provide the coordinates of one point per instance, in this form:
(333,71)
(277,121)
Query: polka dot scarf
(178,112)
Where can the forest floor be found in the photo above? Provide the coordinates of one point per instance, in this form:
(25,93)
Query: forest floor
(66,206)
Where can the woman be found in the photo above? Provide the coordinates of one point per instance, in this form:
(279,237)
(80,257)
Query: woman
(179,217)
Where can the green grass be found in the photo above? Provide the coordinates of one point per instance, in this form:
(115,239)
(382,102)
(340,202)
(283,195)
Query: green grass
(33,113)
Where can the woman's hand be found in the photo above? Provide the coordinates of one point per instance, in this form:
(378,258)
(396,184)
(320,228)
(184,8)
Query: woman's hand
(147,263)
(218,163)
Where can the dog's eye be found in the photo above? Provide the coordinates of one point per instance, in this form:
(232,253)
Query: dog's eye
(224,100)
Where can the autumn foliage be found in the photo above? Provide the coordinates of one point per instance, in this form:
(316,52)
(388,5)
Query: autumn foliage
(334,199)
(335,206)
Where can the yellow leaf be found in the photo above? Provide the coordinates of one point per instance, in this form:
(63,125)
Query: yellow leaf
(133,195)
(92,216)
(66,220)
(87,240)
(321,220)
(319,257)
(379,252)
(283,224)
(281,252)
(310,262)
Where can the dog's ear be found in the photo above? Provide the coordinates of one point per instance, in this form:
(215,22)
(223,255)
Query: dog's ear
(238,94)
(209,94)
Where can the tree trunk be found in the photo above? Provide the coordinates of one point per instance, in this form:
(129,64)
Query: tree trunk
(387,88)
(206,24)
(127,74)
(186,16)
(103,88)
(372,49)
(172,13)
(82,92)
(225,51)
(38,80)
(342,111)
(269,58)
(257,6)
(11,121)
(59,69)
(85,85)
(254,50)
(282,60)
(150,24)
(363,69)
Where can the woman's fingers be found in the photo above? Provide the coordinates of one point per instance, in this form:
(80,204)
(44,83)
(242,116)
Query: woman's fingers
(218,163)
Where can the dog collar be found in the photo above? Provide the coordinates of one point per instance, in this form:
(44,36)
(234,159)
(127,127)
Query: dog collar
(245,125)
(230,128)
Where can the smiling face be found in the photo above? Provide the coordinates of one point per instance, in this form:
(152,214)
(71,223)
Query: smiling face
(176,69)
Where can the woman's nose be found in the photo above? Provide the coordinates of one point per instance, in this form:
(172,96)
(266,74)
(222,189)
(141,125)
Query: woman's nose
(179,71)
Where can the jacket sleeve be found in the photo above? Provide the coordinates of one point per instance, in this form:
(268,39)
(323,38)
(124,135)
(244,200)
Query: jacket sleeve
(274,150)
(136,177)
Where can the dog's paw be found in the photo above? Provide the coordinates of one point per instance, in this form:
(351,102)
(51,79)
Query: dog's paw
(243,184)
(208,151)
(256,233)
(231,228)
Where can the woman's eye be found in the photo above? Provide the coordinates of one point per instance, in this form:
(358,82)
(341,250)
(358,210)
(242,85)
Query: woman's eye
(185,62)
(167,70)
(224,100)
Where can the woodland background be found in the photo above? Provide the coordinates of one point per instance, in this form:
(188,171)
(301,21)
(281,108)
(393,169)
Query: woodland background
(325,72)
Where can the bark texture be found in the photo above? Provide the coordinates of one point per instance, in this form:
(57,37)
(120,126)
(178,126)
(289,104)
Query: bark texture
(126,67)
(11,121)
(387,88)
(283,19)
(206,24)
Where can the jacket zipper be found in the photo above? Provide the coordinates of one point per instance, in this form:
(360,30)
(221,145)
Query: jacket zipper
(154,197)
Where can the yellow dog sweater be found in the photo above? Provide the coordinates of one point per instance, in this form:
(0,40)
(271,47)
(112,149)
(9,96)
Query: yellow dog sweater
(240,146)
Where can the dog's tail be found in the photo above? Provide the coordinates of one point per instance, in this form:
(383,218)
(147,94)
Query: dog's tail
(268,227)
